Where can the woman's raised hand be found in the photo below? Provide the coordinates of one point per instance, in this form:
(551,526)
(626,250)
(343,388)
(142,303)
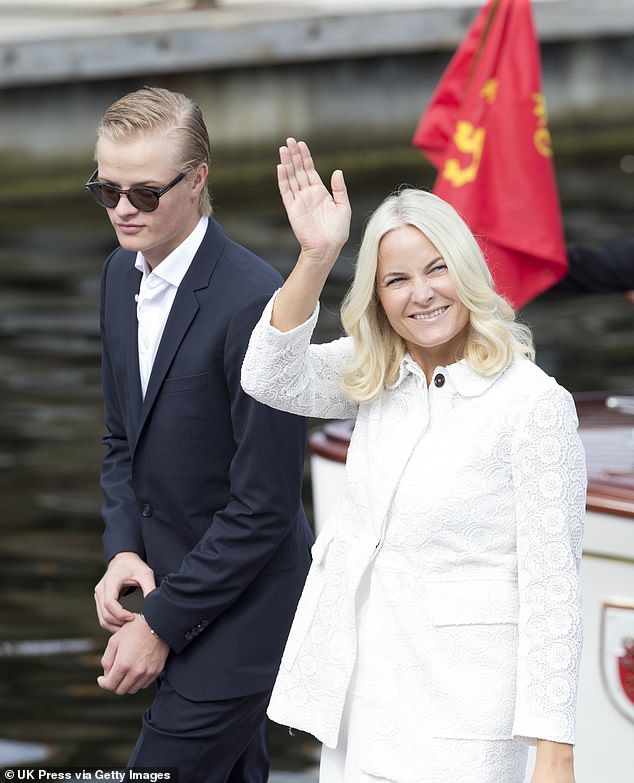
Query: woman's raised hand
(320,221)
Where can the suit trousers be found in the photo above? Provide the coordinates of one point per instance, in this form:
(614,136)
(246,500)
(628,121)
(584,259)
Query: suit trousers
(224,741)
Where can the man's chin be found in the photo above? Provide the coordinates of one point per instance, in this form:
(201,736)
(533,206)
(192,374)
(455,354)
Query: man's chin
(128,242)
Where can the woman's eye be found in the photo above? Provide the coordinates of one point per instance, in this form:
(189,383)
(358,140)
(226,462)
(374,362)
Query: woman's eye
(439,269)
(393,280)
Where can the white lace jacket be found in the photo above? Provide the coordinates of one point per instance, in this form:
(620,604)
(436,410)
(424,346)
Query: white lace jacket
(466,500)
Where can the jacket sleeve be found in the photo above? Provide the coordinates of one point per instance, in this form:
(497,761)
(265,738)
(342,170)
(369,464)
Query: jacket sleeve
(549,475)
(287,372)
(263,509)
(599,269)
(122,531)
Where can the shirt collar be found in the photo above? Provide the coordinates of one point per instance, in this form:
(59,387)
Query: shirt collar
(466,381)
(173,267)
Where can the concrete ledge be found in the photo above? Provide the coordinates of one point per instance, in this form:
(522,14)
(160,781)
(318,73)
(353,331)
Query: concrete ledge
(347,81)
(108,47)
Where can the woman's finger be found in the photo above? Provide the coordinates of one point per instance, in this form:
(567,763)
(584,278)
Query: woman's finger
(297,160)
(308,164)
(339,189)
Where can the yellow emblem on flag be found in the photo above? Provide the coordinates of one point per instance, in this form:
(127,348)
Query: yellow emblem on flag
(490,89)
(470,140)
(541,137)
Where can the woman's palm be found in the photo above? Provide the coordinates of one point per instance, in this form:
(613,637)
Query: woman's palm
(320,221)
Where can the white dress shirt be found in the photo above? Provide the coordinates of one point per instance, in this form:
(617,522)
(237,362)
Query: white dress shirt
(156,296)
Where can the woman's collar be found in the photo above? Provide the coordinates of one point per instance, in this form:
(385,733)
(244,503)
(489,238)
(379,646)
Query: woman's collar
(465,380)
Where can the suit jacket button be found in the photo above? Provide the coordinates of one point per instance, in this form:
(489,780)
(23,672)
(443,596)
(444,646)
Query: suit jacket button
(189,636)
(147,510)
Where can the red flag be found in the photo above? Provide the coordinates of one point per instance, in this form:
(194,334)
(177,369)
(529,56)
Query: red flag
(485,130)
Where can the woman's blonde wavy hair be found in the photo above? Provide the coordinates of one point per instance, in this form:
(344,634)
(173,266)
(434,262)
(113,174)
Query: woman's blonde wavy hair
(152,109)
(493,337)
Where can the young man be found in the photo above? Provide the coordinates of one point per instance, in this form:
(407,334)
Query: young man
(201,484)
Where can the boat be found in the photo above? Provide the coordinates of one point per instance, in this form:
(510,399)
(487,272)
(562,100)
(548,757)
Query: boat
(605,709)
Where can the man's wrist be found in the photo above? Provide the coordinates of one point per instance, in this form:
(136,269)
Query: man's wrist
(152,631)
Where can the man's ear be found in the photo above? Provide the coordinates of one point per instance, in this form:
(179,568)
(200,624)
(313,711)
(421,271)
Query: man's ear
(200,177)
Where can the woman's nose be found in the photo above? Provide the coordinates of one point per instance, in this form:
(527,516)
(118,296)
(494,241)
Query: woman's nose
(422,291)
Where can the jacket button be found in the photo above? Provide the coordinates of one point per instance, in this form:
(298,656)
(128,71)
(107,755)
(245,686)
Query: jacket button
(439,380)
(147,510)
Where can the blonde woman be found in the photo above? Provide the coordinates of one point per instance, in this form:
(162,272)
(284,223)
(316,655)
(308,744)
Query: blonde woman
(439,630)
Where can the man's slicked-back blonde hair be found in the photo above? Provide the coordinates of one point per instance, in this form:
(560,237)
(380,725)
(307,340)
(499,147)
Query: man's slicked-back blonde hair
(152,109)
(494,336)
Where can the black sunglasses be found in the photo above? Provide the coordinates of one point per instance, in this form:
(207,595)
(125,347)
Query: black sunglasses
(142,197)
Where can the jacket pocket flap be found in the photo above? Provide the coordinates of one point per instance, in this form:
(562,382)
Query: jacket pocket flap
(185,383)
(473,602)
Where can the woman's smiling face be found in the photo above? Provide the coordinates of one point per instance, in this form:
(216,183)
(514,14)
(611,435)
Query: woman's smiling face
(419,298)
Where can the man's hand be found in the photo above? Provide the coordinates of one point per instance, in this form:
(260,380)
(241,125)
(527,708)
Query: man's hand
(124,570)
(133,659)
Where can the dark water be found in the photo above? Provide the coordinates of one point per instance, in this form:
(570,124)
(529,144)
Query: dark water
(50,429)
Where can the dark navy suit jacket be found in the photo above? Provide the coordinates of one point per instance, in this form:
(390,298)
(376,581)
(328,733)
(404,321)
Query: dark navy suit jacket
(200,480)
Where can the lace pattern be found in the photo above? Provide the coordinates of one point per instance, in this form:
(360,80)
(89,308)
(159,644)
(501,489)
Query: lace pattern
(464,504)
(284,370)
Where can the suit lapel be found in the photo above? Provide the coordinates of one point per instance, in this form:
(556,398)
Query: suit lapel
(183,312)
(135,401)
